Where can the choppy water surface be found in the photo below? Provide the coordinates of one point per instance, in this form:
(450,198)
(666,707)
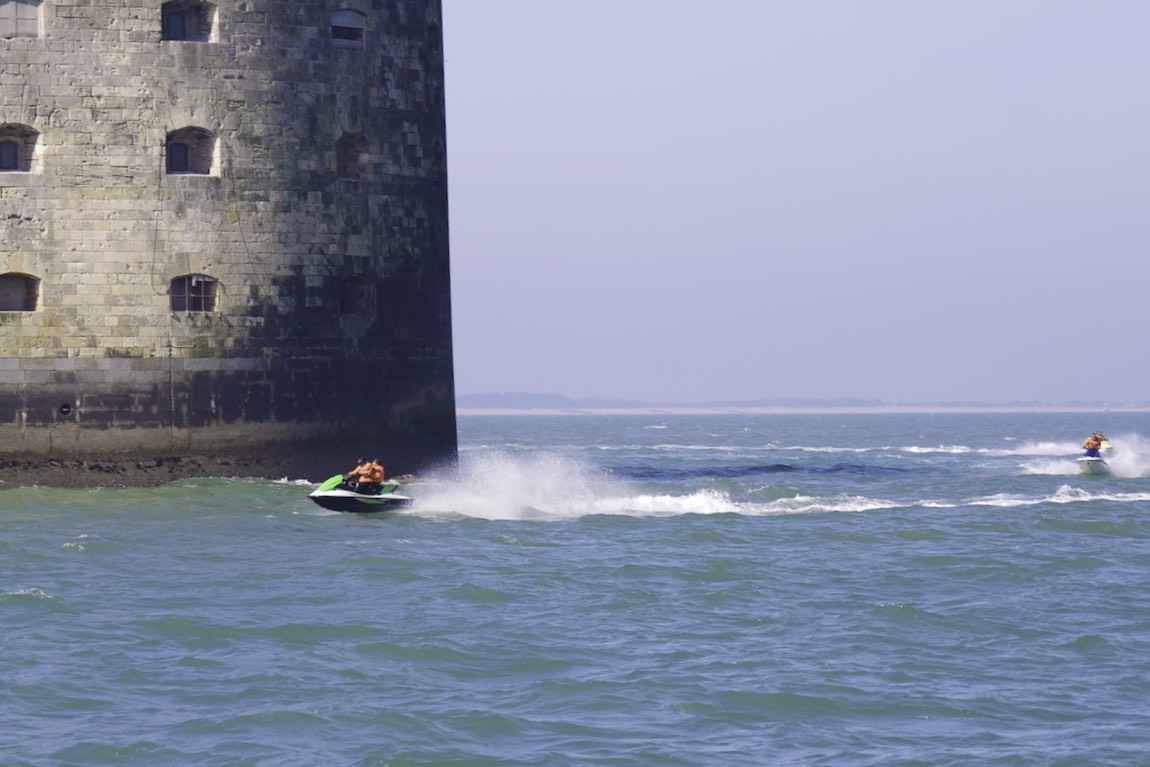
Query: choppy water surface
(719,590)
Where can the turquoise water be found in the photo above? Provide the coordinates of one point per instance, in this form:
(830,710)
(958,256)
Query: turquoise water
(689,590)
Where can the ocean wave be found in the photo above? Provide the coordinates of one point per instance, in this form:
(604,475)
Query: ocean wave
(33,594)
(32,599)
(1065,494)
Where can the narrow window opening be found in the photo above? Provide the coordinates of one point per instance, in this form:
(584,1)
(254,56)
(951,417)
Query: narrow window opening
(17,146)
(194,293)
(176,26)
(187,20)
(190,151)
(9,155)
(18,293)
(353,34)
(179,157)
(348,29)
(19,18)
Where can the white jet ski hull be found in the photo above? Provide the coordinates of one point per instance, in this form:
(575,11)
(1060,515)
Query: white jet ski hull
(1092,465)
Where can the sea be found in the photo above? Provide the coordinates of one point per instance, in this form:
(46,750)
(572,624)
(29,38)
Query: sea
(629,590)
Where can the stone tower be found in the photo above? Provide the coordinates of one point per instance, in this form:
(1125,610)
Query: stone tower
(223,239)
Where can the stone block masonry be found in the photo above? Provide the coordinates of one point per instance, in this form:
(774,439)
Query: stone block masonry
(223,240)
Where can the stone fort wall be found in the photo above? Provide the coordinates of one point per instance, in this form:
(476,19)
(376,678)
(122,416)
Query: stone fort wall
(223,234)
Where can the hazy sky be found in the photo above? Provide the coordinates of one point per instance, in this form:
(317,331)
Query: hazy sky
(679,200)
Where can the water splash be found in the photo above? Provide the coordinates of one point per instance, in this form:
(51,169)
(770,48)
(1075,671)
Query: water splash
(1129,456)
(547,487)
(497,486)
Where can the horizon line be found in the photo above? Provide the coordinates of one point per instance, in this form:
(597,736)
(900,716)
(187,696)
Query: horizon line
(796,409)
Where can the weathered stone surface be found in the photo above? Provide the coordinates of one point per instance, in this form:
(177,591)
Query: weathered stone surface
(330,331)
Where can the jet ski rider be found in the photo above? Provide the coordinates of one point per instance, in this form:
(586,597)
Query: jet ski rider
(351,479)
(366,478)
(1093,445)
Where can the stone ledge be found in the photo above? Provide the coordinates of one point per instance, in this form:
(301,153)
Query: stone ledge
(125,472)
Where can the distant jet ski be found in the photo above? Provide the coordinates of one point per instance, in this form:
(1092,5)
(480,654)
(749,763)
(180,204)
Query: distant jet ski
(336,495)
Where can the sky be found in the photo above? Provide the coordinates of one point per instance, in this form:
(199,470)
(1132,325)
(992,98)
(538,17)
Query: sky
(909,201)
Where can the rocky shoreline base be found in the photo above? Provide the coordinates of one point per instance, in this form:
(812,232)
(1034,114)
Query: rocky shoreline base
(119,472)
(308,463)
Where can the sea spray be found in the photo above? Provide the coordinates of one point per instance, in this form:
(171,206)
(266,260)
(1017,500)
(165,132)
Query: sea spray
(498,486)
(545,486)
(1129,456)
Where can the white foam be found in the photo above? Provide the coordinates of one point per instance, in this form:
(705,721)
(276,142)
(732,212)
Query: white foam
(802,504)
(496,486)
(1129,456)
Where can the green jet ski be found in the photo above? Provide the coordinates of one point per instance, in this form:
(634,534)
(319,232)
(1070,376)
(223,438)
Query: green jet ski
(336,495)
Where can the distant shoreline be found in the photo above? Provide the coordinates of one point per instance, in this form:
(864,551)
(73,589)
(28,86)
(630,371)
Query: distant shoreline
(793,410)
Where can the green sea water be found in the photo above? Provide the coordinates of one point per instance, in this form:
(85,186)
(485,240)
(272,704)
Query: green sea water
(622,590)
